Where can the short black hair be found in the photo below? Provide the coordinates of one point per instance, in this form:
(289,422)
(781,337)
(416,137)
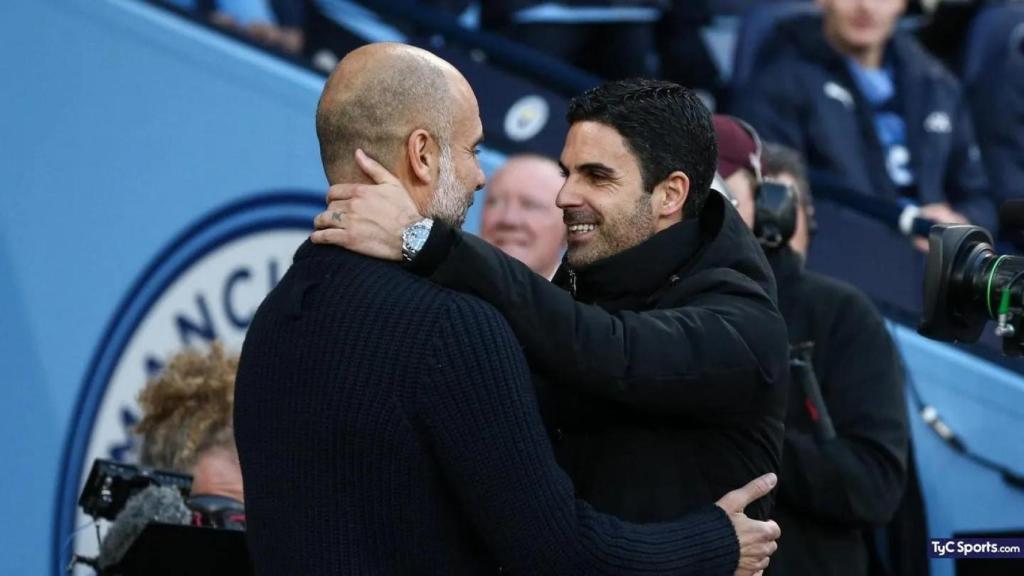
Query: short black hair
(665,126)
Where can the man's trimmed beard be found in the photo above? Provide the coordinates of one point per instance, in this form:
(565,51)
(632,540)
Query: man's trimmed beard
(616,233)
(452,199)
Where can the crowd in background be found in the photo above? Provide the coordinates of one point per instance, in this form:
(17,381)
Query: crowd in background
(927,127)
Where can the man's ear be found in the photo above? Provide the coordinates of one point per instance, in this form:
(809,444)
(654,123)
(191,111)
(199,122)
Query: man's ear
(422,152)
(670,194)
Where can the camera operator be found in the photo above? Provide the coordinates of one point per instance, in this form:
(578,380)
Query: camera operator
(845,448)
(186,427)
(186,424)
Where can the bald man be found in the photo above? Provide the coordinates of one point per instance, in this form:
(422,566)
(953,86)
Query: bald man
(520,216)
(386,425)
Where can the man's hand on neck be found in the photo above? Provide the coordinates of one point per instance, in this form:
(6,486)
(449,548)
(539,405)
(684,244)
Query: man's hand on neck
(368,218)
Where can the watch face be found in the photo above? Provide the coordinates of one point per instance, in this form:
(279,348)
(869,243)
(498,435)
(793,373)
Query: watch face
(413,239)
(419,234)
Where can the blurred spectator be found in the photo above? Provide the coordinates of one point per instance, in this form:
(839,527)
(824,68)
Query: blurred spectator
(336,27)
(186,427)
(846,442)
(611,38)
(685,58)
(274,23)
(997,100)
(900,555)
(186,422)
(277,24)
(742,162)
(785,165)
(520,215)
(944,31)
(870,111)
(738,163)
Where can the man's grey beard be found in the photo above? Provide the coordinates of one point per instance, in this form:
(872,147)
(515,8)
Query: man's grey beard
(452,198)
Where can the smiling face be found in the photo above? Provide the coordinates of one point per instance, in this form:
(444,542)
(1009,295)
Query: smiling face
(605,207)
(520,215)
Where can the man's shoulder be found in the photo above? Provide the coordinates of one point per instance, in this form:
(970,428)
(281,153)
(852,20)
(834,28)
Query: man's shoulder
(730,261)
(474,344)
(796,48)
(472,316)
(337,284)
(917,62)
(792,66)
(354,281)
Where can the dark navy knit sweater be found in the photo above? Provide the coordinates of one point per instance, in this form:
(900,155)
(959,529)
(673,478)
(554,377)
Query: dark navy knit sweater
(388,426)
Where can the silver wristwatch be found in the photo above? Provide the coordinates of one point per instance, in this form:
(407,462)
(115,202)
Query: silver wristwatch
(414,237)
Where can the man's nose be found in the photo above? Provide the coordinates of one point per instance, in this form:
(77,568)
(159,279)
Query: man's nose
(481,178)
(567,197)
(510,215)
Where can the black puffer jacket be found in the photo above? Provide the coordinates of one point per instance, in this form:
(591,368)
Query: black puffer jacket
(661,370)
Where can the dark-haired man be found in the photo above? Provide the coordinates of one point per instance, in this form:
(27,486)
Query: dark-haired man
(658,350)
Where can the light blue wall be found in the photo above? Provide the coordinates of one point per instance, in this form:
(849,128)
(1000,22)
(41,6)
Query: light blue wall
(120,125)
(984,405)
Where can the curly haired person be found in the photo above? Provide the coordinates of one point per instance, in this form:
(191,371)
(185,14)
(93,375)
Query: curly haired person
(186,424)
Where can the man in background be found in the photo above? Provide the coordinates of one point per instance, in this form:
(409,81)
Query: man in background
(186,428)
(870,110)
(844,458)
(186,421)
(520,215)
(738,166)
(782,164)
(741,158)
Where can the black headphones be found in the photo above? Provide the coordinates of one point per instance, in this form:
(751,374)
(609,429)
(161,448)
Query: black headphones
(775,203)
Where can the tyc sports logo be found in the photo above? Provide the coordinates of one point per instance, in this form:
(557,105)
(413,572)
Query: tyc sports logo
(204,286)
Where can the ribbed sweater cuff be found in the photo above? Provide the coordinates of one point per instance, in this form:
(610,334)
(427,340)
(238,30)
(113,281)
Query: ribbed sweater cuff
(720,549)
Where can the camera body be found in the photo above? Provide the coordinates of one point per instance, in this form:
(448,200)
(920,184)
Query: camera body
(110,484)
